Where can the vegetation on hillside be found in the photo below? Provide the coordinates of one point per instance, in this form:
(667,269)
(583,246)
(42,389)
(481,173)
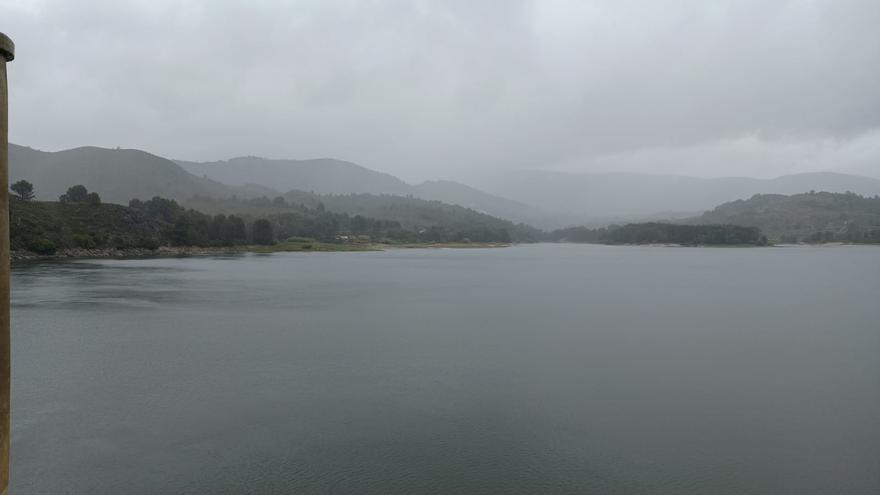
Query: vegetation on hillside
(813,217)
(44,227)
(301,220)
(662,233)
(79,220)
(396,218)
(82,222)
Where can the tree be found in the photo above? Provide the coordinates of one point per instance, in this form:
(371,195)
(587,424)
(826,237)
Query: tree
(93,198)
(75,194)
(24,190)
(263,234)
(236,231)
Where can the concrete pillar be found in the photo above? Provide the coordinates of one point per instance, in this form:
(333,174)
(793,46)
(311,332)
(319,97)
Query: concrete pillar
(7,53)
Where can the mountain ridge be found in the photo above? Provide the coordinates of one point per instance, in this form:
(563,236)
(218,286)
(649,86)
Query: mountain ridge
(332,176)
(117,174)
(546,199)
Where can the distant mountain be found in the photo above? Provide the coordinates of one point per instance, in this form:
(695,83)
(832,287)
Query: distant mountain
(547,200)
(626,196)
(330,176)
(118,175)
(321,175)
(809,217)
(469,197)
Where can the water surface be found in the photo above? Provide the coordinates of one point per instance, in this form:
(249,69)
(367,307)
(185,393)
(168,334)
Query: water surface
(533,369)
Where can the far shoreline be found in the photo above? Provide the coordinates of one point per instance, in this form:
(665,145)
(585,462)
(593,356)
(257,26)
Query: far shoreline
(186,251)
(318,247)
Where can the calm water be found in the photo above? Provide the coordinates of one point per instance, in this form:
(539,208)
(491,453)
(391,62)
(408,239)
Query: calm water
(534,369)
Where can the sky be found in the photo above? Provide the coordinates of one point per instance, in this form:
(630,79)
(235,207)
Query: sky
(449,89)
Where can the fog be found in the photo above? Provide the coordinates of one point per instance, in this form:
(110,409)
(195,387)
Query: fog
(429,90)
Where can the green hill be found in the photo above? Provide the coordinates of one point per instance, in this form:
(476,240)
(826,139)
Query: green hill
(809,217)
(47,227)
(118,175)
(44,227)
(413,214)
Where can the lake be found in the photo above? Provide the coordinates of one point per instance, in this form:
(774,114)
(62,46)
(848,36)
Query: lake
(532,369)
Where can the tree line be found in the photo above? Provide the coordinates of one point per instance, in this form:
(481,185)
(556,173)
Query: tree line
(24,191)
(77,222)
(662,233)
(190,227)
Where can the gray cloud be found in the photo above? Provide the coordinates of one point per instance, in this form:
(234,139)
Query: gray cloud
(439,89)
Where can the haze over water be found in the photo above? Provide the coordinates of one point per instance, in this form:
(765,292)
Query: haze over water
(532,369)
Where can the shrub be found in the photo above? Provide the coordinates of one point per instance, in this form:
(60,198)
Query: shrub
(148,243)
(120,242)
(41,246)
(84,241)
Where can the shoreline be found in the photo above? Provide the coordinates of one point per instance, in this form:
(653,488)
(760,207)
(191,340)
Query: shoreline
(161,252)
(318,247)
(184,251)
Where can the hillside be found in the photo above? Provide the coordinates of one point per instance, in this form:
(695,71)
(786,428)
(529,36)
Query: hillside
(122,174)
(619,197)
(461,194)
(808,217)
(330,176)
(411,213)
(563,199)
(321,175)
(119,174)
(43,227)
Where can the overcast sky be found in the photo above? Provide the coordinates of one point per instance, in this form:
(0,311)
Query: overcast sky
(441,89)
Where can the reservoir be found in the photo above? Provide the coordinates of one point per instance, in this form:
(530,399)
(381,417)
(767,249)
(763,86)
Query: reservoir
(548,368)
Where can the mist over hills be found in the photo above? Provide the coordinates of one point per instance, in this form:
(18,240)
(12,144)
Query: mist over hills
(630,196)
(543,199)
(331,176)
(121,175)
